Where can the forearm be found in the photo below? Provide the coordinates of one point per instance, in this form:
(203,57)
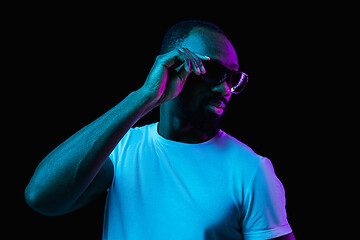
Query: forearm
(67,171)
(60,180)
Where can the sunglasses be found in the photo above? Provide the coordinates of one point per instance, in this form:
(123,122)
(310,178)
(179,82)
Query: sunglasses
(217,74)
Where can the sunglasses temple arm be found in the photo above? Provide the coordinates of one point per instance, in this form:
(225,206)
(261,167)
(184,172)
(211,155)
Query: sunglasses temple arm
(242,78)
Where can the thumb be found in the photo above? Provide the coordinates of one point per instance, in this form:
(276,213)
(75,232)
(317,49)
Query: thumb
(184,70)
(171,59)
(184,74)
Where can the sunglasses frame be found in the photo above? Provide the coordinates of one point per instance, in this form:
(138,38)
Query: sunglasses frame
(224,75)
(226,72)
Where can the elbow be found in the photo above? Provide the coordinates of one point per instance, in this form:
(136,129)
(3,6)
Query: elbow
(33,200)
(36,201)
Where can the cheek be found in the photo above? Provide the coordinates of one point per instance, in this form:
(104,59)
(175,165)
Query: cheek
(196,99)
(195,87)
(195,95)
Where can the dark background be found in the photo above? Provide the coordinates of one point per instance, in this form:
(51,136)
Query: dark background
(76,62)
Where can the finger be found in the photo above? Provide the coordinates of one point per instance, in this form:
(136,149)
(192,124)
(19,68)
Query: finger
(201,64)
(202,57)
(186,64)
(194,60)
(199,60)
(188,60)
(193,65)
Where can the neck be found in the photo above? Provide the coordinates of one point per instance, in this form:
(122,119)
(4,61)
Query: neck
(181,129)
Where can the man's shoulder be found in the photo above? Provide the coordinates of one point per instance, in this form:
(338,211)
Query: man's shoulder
(244,154)
(235,143)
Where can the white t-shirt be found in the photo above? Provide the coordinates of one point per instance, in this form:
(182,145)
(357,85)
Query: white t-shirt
(167,190)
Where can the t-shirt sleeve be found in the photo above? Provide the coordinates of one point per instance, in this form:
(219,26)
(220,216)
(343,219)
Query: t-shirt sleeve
(264,203)
(120,148)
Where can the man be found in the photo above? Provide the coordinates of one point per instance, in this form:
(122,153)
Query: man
(181,178)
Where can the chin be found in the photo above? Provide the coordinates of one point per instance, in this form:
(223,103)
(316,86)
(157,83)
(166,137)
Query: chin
(209,115)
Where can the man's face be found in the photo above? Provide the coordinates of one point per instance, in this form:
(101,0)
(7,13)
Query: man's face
(200,100)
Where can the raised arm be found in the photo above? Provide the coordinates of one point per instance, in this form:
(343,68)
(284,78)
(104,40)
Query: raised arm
(78,170)
(63,176)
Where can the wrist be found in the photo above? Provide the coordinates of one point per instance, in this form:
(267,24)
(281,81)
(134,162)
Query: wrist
(146,98)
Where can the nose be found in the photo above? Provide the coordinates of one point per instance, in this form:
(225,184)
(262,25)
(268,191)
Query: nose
(222,88)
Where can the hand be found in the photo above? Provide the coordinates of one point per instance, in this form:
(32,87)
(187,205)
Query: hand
(169,73)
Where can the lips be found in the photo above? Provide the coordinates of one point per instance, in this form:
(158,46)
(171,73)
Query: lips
(219,103)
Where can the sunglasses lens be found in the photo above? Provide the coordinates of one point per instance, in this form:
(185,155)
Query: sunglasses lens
(216,74)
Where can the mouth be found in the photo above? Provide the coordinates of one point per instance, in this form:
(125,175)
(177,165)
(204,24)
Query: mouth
(217,106)
(219,102)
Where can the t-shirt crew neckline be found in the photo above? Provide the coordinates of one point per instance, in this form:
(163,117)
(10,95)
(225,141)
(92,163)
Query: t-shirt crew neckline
(163,140)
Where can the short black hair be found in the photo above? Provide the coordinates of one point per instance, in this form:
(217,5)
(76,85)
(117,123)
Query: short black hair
(178,32)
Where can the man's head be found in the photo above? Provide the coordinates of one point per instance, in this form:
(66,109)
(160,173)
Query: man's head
(180,31)
(200,101)
(199,35)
